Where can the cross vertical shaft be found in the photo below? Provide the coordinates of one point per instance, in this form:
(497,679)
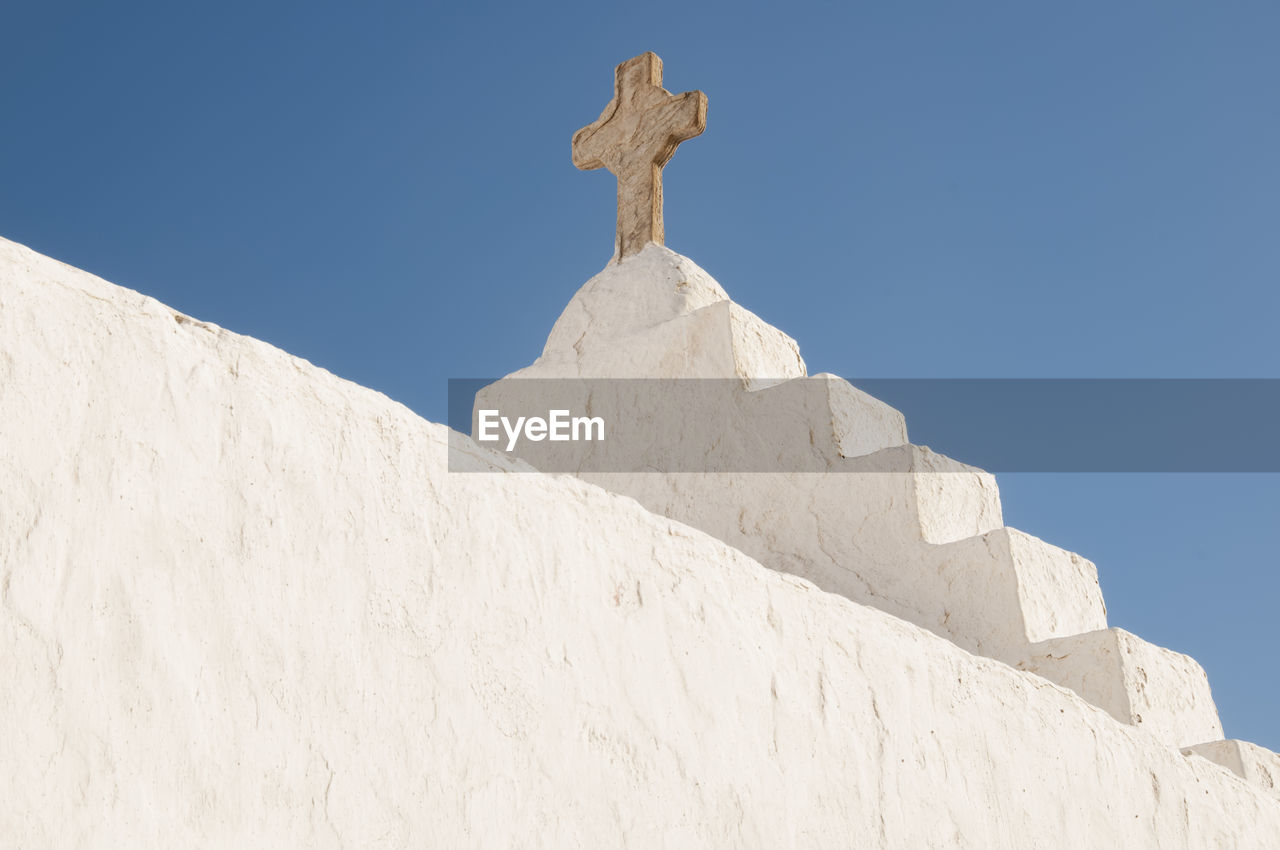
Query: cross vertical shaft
(634,137)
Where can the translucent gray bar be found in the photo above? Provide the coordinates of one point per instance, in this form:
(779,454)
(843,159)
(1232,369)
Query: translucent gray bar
(821,424)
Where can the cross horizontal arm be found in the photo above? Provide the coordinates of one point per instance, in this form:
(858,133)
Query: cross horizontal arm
(683,117)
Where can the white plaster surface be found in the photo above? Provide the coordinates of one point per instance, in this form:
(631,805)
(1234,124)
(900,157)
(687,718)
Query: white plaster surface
(1162,691)
(878,537)
(245,605)
(1004,590)
(862,424)
(658,315)
(1256,765)
(860,535)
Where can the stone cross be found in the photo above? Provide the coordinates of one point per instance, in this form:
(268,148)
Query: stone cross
(634,137)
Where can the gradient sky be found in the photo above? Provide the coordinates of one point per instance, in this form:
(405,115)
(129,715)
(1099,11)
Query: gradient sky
(909,190)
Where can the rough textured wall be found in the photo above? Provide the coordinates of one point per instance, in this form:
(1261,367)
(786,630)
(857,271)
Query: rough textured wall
(244,604)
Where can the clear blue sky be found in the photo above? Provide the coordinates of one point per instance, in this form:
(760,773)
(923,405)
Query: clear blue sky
(910,190)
